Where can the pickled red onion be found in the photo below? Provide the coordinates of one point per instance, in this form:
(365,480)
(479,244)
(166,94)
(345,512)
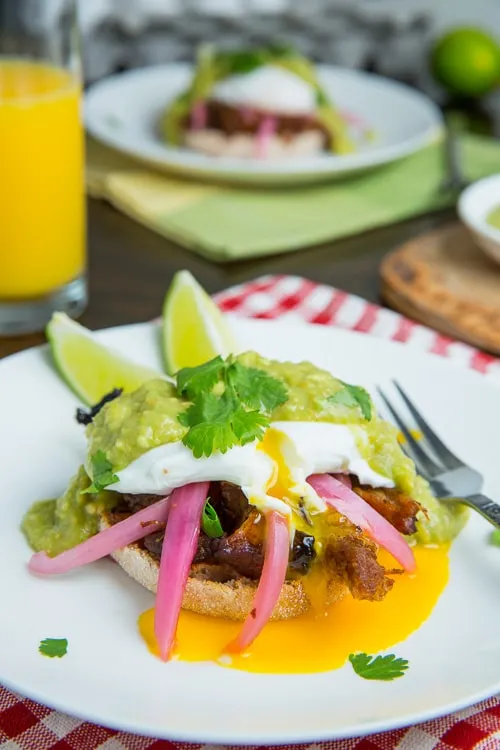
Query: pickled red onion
(353,507)
(344,478)
(272,578)
(352,119)
(135,527)
(199,116)
(266,129)
(179,548)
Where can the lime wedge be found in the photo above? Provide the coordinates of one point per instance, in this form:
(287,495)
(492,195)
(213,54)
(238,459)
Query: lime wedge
(88,367)
(194,329)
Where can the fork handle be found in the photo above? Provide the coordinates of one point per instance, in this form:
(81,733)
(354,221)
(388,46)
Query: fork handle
(485,506)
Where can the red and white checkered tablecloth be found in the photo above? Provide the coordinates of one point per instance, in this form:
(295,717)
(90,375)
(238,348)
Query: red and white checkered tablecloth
(25,725)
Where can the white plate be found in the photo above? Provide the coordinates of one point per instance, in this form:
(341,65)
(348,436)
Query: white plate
(474,206)
(123,112)
(109,677)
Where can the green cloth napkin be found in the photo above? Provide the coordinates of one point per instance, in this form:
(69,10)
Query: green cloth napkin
(226,223)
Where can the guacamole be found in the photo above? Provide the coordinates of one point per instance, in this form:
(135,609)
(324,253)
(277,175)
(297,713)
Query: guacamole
(58,525)
(136,422)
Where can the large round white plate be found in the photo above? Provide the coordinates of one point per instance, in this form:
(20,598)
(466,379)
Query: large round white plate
(123,112)
(108,676)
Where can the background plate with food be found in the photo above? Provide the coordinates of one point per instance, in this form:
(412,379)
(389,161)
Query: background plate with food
(204,122)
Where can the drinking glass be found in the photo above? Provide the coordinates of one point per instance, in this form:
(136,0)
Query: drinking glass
(42,198)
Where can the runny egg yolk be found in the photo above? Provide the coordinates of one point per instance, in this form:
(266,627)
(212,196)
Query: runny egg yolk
(313,643)
(281,480)
(323,638)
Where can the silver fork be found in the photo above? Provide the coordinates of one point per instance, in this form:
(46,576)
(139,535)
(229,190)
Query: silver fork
(450,479)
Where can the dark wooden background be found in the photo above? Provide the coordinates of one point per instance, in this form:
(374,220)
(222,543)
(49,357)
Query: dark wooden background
(130,267)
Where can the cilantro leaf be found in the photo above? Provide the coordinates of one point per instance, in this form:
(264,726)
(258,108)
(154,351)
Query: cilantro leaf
(209,420)
(255,388)
(495,537)
(210,522)
(378,667)
(208,408)
(344,397)
(204,439)
(219,423)
(230,404)
(102,473)
(248,425)
(363,399)
(192,381)
(353,396)
(52,647)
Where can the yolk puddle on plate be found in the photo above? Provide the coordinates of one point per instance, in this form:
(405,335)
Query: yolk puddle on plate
(319,643)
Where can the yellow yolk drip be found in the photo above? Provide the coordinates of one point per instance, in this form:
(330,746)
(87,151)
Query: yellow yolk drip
(319,643)
(271,445)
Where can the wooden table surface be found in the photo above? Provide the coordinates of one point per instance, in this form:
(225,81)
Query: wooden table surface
(130,267)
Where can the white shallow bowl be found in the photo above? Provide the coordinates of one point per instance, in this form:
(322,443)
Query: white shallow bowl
(474,205)
(123,112)
(108,675)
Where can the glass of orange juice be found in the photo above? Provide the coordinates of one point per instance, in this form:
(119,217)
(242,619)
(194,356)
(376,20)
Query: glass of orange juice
(42,198)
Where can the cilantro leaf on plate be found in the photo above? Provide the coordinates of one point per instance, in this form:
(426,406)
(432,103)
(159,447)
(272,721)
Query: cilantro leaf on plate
(384,668)
(210,522)
(353,396)
(192,381)
(255,388)
(53,647)
(102,473)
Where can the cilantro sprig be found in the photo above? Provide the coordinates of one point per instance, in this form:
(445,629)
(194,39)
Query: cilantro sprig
(353,396)
(234,62)
(384,668)
(53,647)
(102,473)
(231,404)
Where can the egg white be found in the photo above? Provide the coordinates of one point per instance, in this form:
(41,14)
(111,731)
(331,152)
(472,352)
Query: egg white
(268,88)
(299,449)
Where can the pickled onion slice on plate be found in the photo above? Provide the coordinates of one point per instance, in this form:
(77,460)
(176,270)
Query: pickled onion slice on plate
(277,551)
(130,530)
(360,513)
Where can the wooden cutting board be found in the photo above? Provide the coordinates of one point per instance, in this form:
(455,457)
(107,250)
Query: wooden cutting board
(443,280)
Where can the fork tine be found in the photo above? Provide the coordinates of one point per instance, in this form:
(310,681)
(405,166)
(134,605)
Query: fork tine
(442,452)
(425,465)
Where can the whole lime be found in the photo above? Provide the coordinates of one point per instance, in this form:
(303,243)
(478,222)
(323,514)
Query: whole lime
(466,61)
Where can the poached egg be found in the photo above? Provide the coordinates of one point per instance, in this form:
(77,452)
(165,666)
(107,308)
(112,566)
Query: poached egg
(272,473)
(268,88)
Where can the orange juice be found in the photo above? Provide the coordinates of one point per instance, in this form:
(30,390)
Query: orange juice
(42,215)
